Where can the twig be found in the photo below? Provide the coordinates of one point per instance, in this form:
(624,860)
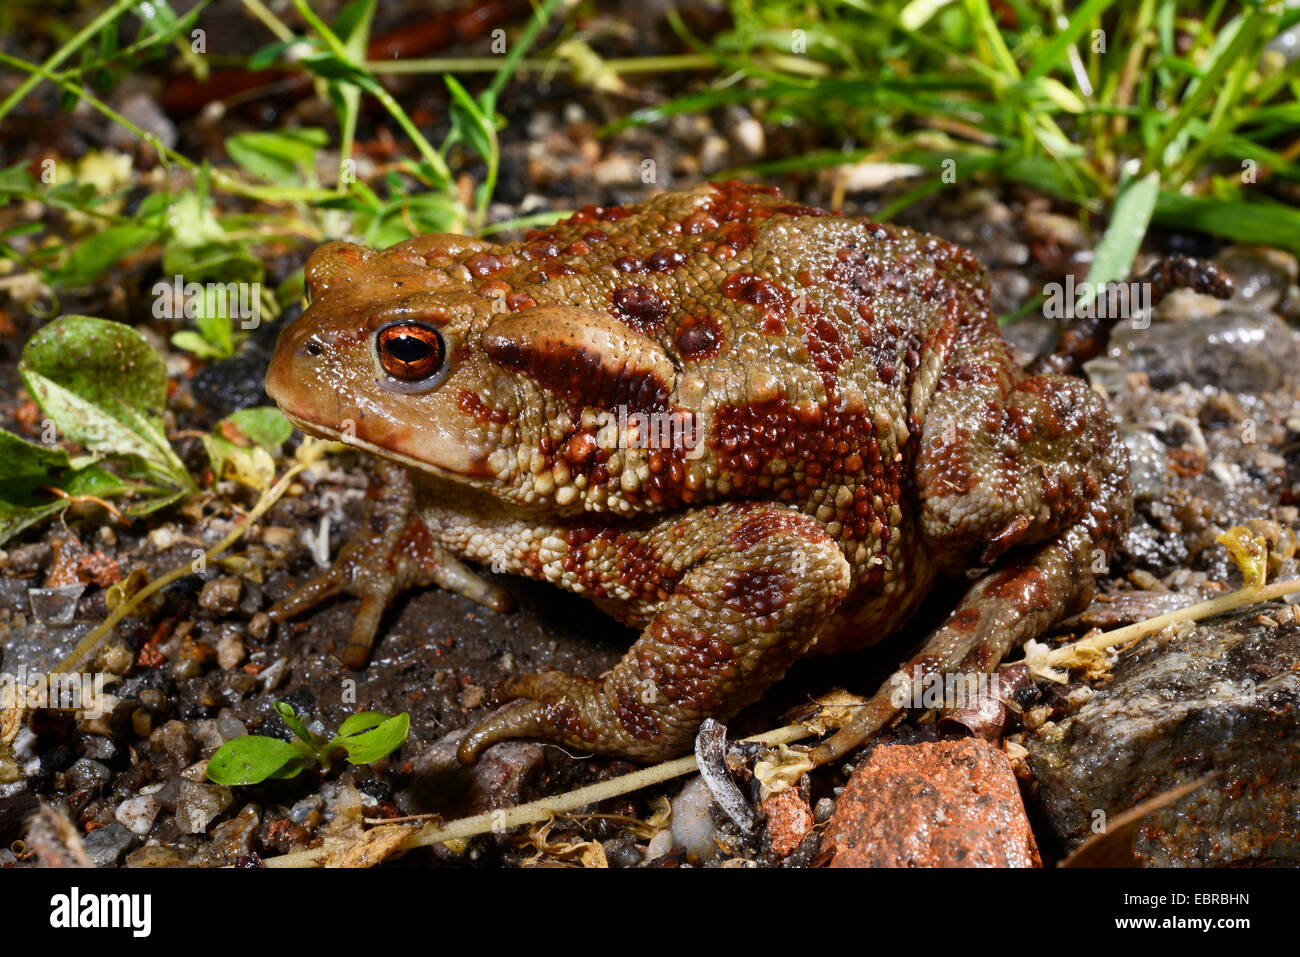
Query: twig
(536,811)
(88,644)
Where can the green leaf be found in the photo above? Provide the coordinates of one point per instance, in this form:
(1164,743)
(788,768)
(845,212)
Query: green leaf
(94,480)
(282,156)
(15,518)
(380,741)
(265,427)
(290,718)
(104,387)
(361,721)
(1245,222)
(191,341)
(255,758)
(93,257)
(25,465)
(1114,256)
(263,424)
(1079,21)
(268,54)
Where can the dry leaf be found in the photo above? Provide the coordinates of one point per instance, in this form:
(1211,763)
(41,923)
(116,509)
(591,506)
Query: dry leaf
(781,769)
(830,711)
(370,847)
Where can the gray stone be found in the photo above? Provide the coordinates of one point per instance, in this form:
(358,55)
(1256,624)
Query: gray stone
(86,773)
(199,804)
(1237,352)
(105,845)
(1220,698)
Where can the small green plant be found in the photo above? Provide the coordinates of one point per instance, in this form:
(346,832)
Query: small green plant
(363,738)
(101,385)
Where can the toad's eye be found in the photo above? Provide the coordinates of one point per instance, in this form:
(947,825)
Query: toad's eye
(409,351)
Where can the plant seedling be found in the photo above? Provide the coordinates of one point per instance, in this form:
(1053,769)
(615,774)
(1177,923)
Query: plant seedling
(364,738)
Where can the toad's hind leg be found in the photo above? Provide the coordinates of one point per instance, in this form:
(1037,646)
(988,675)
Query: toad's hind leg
(758,586)
(1026,471)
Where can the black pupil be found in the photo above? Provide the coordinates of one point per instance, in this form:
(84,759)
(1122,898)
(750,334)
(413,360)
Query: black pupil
(408,349)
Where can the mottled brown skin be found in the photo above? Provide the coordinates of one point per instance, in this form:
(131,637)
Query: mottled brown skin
(863,428)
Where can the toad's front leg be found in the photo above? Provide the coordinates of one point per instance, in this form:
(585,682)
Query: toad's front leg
(754,587)
(394,553)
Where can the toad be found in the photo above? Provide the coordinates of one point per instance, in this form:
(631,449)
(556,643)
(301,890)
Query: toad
(752,430)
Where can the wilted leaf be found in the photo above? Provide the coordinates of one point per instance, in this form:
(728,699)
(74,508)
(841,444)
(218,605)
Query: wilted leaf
(104,387)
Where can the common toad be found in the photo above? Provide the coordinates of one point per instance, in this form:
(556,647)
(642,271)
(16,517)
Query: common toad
(751,429)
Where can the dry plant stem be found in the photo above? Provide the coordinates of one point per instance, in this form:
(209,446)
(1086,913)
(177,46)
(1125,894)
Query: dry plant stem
(87,645)
(1204,609)
(547,807)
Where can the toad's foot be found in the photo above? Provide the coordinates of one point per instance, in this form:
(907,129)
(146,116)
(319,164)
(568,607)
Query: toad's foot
(377,566)
(746,607)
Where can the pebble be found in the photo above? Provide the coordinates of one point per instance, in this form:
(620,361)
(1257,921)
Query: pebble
(86,773)
(692,825)
(141,722)
(659,845)
(230,649)
(137,814)
(221,595)
(233,839)
(199,804)
(117,658)
(622,852)
(789,819)
(98,748)
(208,735)
(176,741)
(105,845)
(229,726)
(301,812)
(259,626)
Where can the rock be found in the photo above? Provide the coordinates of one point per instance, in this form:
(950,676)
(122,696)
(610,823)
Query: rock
(1238,352)
(304,810)
(198,804)
(221,595)
(230,649)
(1220,697)
(443,785)
(176,741)
(932,804)
(105,845)
(692,824)
(137,814)
(622,852)
(659,845)
(156,855)
(789,819)
(97,748)
(1261,275)
(229,726)
(86,773)
(232,839)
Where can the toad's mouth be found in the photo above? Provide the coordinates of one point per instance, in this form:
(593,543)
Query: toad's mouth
(451,463)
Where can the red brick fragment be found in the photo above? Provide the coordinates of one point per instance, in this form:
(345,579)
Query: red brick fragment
(934,804)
